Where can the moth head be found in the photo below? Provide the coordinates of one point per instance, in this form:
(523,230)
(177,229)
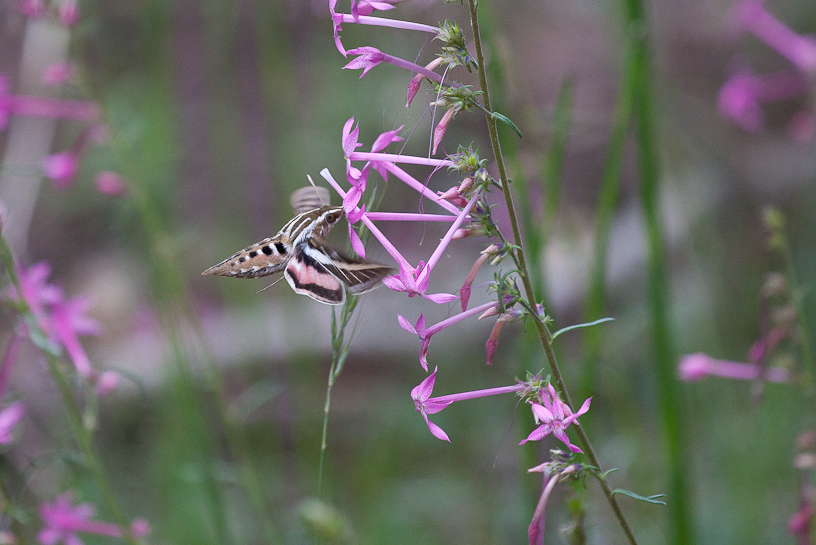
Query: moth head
(333,215)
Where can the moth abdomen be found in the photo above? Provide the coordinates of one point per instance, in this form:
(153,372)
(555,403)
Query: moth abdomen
(261,259)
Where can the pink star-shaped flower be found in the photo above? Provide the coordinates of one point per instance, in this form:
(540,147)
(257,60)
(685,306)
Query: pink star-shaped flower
(554,419)
(421,395)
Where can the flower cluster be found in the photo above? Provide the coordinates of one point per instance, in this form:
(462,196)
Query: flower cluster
(743,94)
(63,320)
(463,207)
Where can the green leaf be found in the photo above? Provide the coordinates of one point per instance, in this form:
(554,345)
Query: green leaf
(506,120)
(576,326)
(647,499)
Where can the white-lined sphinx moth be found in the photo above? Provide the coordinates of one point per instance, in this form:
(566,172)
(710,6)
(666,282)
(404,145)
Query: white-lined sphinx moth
(310,265)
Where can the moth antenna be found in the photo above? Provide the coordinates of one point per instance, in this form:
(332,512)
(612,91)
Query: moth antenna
(319,196)
(269,286)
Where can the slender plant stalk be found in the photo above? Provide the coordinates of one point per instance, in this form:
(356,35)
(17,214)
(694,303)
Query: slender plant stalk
(543,332)
(82,434)
(340,351)
(669,399)
(610,184)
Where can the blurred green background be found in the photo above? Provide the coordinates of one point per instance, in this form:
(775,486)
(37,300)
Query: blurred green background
(218,110)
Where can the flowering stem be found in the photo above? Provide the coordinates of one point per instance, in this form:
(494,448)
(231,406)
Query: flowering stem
(543,332)
(82,434)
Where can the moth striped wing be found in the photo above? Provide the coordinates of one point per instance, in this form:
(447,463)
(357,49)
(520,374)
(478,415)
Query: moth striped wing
(310,277)
(308,198)
(358,275)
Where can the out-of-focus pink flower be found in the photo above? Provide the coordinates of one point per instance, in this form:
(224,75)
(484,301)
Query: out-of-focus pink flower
(70,320)
(9,417)
(32,8)
(57,73)
(106,383)
(62,168)
(799,522)
(554,419)
(696,367)
(68,13)
(63,520)
(37,292)
(800,50)
(110,183)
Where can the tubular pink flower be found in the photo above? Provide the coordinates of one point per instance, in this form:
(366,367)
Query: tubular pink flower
(696,367)
(9,417)
(422,404)
(351,135)
(425,404)
(800,50)
(76,110)
(425,334)
(554,419)
(741,96)
(464,291)
(416,81)
(493,341)
(441,127)
(369,57)
(366,7)
(536,529)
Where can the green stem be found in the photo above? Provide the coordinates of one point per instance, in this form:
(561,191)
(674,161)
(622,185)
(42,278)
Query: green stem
(81,433)
(543,333)
(669,399)
(610,183)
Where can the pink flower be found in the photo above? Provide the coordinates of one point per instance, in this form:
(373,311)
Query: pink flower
(63,520)
(62,168)
(410,280)
(57,73)
(366,7)
(800,50)
(68,13)
(110,183)
(554,419)
(32,8)
(424,405)
(695,367)
(36,291)
(369,57)
(441,127)
(742,95)
(9,417)
(425,334)
(106,383)
(70,320)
